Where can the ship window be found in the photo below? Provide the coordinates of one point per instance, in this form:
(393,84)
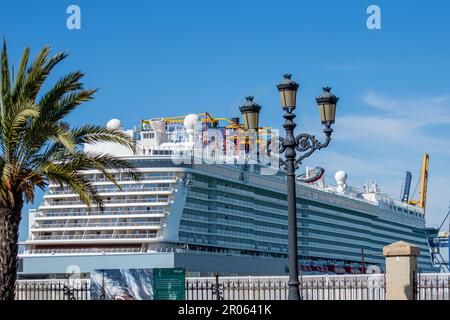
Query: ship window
(148,135)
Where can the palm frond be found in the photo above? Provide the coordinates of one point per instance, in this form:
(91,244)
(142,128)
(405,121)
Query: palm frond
(62,175)
(68,83)
(105,163)
(38,73)
(93,134)
(6,81)
(12,125)
(21,73)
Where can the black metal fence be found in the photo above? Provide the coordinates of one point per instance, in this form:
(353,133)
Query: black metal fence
(324,287)
(354,287)
(53,290)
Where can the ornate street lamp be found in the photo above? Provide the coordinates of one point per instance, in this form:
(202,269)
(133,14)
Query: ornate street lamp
(327,106)
(305,144)
(250,113)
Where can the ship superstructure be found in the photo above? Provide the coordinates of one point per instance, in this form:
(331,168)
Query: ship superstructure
(211,198)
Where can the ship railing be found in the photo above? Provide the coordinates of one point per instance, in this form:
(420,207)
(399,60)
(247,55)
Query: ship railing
(241,214)
(93,224)
(410,210)
(95,236)
(235,191)
(126,200)
(197,195)
(276,238)
(83,250)
(218,221)
(96,212)
(222,199)
(203,154)
(144,177)
(105,189)
(281,212)
(268,255)
(229,222)
(330,190)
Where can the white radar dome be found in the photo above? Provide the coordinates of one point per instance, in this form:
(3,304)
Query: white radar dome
(341,178)
(190,122)
(114,124)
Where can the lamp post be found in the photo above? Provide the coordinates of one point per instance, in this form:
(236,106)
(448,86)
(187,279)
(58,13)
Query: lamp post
(305,144)
(250,113)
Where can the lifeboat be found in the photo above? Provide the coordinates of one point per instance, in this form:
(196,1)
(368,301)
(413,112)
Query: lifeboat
(313,175)
(339,269)
(323,268)
(315,266)
(304,267)
(331,267)
(348,268)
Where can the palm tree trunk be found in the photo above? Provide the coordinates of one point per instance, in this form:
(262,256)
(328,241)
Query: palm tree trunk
(9,248)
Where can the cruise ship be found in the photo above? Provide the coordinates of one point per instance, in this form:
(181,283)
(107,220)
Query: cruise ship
(211,198)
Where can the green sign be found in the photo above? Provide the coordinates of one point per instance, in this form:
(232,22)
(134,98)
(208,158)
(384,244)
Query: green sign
(169,284)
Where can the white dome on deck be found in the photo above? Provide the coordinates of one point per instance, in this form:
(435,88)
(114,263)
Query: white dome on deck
(340,175)
(190,122)
(341,178)
(114,124)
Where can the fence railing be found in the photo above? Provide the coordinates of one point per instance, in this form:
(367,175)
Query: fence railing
(320,287)
(432,286)
(53,290)
(326,287)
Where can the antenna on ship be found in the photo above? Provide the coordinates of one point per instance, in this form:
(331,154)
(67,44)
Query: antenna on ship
(406,187)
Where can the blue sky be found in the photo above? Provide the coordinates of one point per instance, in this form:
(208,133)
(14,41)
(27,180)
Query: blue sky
(161,58)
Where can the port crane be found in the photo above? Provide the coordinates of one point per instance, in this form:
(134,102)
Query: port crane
(422,201)
(438,239)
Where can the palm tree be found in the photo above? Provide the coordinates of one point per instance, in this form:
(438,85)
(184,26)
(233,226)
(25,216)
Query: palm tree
(38,147)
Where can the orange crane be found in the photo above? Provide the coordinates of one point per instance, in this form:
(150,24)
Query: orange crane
(421,202)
